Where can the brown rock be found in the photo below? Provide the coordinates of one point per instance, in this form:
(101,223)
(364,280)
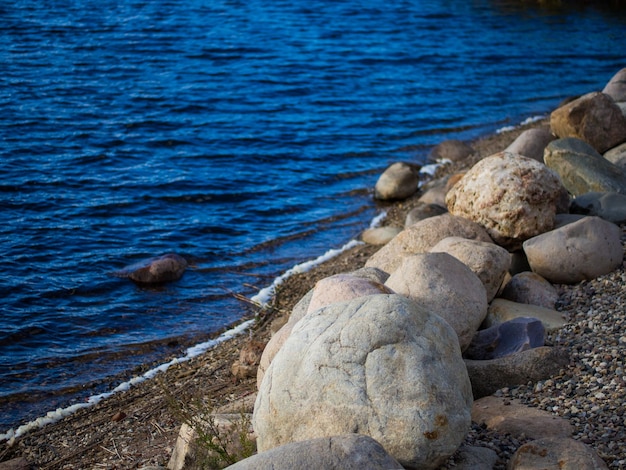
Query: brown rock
(19,463)
(453,150)
(556,453)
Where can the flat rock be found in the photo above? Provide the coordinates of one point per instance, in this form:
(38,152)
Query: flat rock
(556,453)
(527,287)
(581,250)
(399,181)
(443,285)
(502,310)
(531,143)
(506,338)
(513,417)
(488,261)
(582,169)
(346,452)
(513,197)
(616,87)
(421,237)
(516,369)
(594,118)
(381,366)
(380,235)
(609,206)
(19,463)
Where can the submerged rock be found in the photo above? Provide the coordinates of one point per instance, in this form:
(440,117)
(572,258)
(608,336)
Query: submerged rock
(166,268)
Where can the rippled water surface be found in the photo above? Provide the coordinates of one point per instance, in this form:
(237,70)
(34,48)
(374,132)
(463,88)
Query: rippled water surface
(245,136)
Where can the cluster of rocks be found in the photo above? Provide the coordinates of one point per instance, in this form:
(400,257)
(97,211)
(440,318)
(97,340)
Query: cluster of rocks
(393,365)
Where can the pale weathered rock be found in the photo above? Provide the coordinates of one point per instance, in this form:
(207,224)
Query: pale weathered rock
(609,206)
(594,118)
(582,169)
(616,87)
(166,268)
(421,237)
(378,365)
(581,250)
(556,453)
(423,211)
(475,458)
(506,338)
(488,261)
(519,420)
(516,369)
(273,346)
(434,192)
(531,143)
(617,156)
(343,287)
(502,310)
(398,181)
(453,150)
(530,288)
(379,235)
(443,285)
(513,197)
(346,452)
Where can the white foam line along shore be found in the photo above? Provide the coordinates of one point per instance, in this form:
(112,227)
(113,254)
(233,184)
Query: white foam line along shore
(529,120)
(262,298)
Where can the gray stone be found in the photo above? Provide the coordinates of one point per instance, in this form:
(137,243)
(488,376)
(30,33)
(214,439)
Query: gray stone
(503,339)
(531,143)
(475,458)
(488,261)
(166,268)
(575,252)
(380,366)
(502,310)
(530,288)
(617,156)
(594,118)
(609,206)
(556,453)
(516,369)
(443,285)
(423,211)
(453,150)
(346,452)
(398,181)
(379,235)
(513,197)
(421,237)
(616,87)
(512,417)
(582,169)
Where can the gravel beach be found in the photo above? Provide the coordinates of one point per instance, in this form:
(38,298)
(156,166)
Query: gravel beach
(138,428)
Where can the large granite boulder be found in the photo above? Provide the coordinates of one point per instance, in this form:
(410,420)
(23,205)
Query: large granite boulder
(346,452)
(398,181)
(488,261)
(575,252)
(166,268)
(421,237)
(609,206)
(531,143)
(594,118)
(616,87)
(443,285)
(582,169)
(381,366)
(513,197)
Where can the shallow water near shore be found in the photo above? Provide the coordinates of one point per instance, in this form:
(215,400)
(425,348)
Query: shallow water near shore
(245,137)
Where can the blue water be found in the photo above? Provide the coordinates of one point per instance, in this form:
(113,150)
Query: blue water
(245,136)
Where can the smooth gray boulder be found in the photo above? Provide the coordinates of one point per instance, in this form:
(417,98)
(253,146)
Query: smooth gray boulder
(531,143)
(513,197)
(575,252)
(609,206)
(582,169)
(381,366)
(398,181)
(443,285)
(616,87)
(421,237)
(423,211)
(488,261)
(520,368)
(506,338)
(346,452)
(556,453)
(453,150)
(527,287)
(594,118)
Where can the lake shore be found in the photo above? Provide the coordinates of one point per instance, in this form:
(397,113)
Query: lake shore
(137,428)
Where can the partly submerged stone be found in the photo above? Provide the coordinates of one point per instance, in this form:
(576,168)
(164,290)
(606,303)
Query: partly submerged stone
(166,268)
